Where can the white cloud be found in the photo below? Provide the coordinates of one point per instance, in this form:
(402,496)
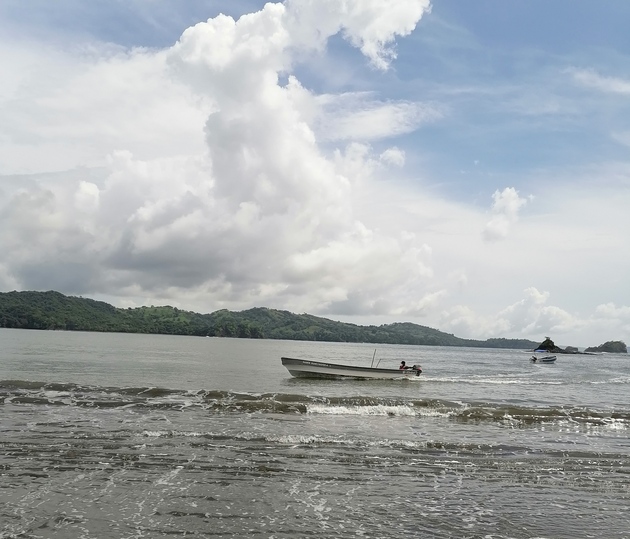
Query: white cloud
(394,156)
(259,215)
(591,79)
(72,109)
(529,318)
(370,25)
(507,204)
(87,197)
(360,117)
(610,310)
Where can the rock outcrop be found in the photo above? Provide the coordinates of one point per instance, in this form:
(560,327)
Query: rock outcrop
(612,347)
(549,346)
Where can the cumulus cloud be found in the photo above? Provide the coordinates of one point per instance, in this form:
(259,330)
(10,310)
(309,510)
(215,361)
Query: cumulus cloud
(214,183)
(610,310)
(68,109)
(394,156)
(529,317)
(370,25)
(614,321)
(505,208)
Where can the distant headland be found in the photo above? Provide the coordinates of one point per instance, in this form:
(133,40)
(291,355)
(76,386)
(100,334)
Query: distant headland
(611,347)
(54,311)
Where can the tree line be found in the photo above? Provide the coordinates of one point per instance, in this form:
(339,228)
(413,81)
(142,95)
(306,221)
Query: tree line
(55,311)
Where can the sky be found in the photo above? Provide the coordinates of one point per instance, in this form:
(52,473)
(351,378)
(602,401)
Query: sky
(460,165)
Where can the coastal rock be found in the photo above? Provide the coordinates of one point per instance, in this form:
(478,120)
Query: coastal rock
(612,347)
(549,346)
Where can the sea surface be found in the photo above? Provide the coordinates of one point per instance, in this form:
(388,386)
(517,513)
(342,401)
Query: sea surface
(151,436)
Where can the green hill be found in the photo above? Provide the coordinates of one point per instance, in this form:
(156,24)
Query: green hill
(54,311)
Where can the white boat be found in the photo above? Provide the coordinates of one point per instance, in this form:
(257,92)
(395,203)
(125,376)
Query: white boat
(544,359)
(305,368)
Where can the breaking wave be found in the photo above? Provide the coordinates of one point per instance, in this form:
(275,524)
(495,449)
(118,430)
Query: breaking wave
(29,393)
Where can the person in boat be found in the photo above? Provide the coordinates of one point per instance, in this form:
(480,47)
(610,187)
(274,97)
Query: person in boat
(404,366)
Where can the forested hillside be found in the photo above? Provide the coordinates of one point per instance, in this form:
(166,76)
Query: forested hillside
(55,311)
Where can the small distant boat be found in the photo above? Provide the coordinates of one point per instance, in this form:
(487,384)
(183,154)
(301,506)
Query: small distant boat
(305,368)
(543,359)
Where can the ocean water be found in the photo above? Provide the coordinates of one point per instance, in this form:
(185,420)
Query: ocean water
(148,436)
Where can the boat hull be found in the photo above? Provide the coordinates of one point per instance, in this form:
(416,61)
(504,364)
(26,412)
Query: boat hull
(304,368)
(546,359)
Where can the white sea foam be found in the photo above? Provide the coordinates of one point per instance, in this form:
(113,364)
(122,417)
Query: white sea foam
(616,424)
(51,394)
(171,434)
(619,380)
(297,440)
(379,409)
(495,381)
